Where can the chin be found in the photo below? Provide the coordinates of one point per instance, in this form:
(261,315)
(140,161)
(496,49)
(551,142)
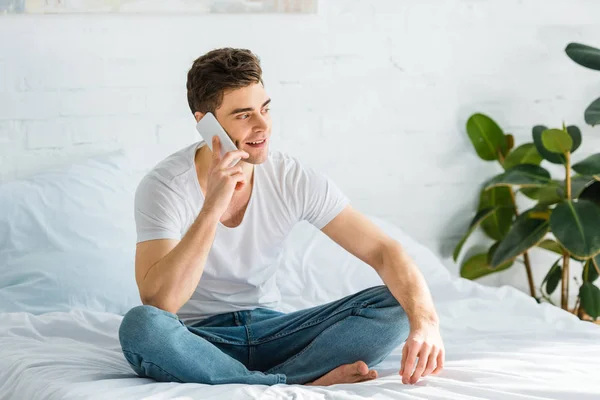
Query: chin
(258,159)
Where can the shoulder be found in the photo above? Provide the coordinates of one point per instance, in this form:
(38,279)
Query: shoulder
(177,163)
(170,174)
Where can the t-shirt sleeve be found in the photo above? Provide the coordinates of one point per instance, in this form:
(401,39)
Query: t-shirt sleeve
(317,198)
(157,210)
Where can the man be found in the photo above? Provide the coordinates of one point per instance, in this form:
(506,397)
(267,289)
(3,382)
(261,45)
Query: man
(208,236)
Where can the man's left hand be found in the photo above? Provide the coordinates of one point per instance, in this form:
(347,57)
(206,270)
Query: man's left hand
(426,343)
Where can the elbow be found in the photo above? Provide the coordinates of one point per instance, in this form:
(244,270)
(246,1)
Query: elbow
(389,254)
(162,303)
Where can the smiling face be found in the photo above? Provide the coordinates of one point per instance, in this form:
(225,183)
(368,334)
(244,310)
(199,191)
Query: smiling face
(244,114)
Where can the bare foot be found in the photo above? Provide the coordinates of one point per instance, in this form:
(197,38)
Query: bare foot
(347,373)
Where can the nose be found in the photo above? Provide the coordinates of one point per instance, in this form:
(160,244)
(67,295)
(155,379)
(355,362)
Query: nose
(262,122)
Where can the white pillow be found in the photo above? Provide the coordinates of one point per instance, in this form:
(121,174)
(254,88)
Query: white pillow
(67,238)
(314,270)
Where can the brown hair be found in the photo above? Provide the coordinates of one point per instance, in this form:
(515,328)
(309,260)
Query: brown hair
(217,71)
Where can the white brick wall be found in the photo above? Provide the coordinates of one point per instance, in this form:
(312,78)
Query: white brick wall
(374,93)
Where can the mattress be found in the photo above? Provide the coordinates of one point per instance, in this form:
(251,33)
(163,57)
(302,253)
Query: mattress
(500,344)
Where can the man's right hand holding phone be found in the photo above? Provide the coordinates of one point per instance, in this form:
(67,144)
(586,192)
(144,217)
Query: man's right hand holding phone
(223,180)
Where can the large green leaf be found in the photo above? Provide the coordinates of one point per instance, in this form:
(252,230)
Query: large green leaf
(550,194)
(524,234)
(590,299)
(480,216)
(553,277)
(584,55)
(510,143)
(477,266)
(555,158)
(576,225)
(588,166)
(486,136)
(527,175)
(590,192)
(589,273)
(583,187)
(576,136)
(532,192)
(557,141)
(551,245)
(496,226)
(578,185)
(592,113)
(524,154)
(545,153)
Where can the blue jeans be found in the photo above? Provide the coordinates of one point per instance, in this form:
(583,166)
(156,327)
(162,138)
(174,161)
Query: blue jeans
(264,346)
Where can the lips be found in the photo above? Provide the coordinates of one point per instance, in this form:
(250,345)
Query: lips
(257,144)
(257,141)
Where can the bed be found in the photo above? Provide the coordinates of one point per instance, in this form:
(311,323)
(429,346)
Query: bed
(66,280)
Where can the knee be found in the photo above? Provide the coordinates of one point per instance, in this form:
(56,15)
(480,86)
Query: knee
(139,325)
(394,320)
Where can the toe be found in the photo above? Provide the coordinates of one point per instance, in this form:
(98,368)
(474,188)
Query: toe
(361,367)
(367,377)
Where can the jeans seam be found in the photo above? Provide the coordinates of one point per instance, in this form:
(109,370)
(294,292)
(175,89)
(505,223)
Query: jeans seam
(163,371)
(249,335)
(362,304)
(150,362)
(295,356)
(216,339)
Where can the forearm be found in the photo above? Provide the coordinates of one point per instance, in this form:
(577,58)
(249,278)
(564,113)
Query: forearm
(176,276)
(406,282)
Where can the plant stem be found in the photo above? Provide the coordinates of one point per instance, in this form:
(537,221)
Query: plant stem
(529,274)
(568,155)
(564,301)
(526,254)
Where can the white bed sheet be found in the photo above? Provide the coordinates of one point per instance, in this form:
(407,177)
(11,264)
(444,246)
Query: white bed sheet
(500,344)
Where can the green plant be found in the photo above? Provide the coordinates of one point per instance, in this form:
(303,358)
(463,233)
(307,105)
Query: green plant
(568,209)
(588,57)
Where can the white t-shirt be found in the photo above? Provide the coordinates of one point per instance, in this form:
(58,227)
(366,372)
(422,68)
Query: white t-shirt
(239,273)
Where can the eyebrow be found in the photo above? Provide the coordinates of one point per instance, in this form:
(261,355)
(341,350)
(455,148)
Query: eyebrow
(239,110)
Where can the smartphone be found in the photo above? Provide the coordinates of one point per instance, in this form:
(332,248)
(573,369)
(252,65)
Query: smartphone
(208,127)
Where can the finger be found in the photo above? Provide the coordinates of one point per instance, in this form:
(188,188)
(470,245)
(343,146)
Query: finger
(423,357)
(431,362)
(233,170)
(440,362)
(239,179)
(404,352)
(216,149)
(230,156)
(413,350)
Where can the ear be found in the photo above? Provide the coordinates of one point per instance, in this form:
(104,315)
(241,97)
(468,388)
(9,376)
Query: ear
(198,115)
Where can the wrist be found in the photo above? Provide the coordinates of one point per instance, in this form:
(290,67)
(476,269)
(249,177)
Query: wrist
(209,214)
(422,321)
